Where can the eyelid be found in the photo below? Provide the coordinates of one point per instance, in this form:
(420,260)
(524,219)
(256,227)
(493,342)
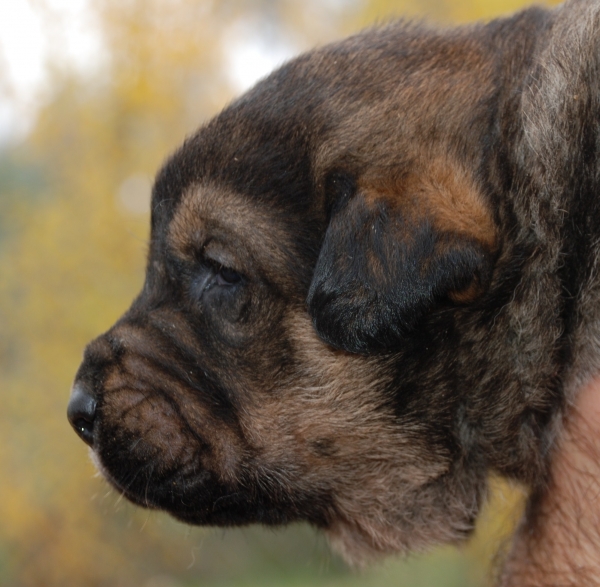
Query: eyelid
(214,273)
(217,267)
(215,256)
(219,264)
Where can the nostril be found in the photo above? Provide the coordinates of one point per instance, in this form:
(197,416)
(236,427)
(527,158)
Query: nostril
(81,413)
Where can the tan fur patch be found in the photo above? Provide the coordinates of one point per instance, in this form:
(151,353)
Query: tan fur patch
(228,227)
(375,466)
(441,192)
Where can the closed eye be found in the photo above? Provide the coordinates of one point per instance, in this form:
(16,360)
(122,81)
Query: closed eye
(212,275)
(227,277)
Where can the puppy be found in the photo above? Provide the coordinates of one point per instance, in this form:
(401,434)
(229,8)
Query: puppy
(372,280)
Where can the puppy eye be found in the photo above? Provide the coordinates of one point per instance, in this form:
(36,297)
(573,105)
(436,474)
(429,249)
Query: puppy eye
(226,277)
(211,277)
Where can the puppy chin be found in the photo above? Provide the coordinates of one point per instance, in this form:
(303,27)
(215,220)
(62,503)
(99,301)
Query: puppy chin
(363,542)
(103,472)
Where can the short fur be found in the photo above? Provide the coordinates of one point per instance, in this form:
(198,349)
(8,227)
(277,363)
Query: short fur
(372,280)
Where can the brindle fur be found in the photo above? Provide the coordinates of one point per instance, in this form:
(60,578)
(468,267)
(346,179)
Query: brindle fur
(414,216)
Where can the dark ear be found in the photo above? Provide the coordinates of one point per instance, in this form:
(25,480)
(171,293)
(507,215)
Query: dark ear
(382,267)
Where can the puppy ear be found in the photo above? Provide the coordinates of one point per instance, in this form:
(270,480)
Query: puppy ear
(389,259)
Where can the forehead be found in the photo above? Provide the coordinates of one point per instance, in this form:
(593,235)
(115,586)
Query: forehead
(245,228)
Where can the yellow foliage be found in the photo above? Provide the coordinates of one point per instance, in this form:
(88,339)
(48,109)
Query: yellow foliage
(445,11)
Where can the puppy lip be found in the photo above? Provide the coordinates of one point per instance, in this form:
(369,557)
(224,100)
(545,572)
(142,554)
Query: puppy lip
(167,494)
(191,501)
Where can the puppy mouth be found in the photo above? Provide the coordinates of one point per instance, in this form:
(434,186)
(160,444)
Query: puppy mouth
(138,486)
(175,492)
(201,500)
(199,497)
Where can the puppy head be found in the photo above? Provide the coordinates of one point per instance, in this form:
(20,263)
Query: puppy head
(347,190)
(217,401)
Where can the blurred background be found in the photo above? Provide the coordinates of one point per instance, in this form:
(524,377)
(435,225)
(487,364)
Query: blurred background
(93,95)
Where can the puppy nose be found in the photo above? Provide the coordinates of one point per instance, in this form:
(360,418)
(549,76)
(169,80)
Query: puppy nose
(81,413)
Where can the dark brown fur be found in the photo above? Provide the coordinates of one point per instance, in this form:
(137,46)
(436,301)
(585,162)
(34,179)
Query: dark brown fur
(372,280)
